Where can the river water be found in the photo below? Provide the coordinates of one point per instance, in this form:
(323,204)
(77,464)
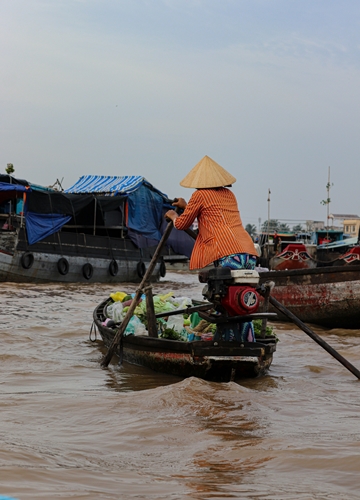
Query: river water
(72,430)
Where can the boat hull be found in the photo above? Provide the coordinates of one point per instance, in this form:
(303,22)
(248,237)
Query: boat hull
(328,296)
(96,253)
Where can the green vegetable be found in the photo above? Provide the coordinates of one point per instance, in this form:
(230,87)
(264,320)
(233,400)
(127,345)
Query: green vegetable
(269,332)
(126,298)
(171,334)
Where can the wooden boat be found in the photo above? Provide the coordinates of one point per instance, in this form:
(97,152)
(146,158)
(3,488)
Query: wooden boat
(326,296)
(322,248)
(206,359)
(288,253)
(92,232)
(293,256)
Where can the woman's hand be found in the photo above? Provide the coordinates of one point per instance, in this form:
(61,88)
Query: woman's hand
(171,214)
(180,202)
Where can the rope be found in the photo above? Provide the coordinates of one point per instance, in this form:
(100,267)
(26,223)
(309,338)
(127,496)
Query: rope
(327,261)
(93,330)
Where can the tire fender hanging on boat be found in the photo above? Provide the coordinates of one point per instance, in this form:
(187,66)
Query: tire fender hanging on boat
(63,266)
(87,271)
(27,260)
(113,268)
(140,269)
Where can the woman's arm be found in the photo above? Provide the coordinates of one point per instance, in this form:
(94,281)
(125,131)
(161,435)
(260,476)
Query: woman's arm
(190,213)
(171,214)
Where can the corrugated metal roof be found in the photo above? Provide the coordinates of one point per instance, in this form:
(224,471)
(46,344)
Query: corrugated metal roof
(106,184)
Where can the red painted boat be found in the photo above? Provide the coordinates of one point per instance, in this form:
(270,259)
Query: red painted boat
(327,296)
(352,256)
(293,256)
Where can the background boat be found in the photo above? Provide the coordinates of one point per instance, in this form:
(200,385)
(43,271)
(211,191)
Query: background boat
(102,229)
(327,296)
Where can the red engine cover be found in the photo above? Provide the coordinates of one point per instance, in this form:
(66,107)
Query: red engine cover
(241,300)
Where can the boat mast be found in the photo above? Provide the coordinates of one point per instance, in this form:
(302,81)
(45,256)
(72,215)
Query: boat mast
(328,197)
(268,225)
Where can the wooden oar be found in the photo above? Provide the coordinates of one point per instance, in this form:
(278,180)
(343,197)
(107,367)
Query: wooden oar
(107,358)
(314,336)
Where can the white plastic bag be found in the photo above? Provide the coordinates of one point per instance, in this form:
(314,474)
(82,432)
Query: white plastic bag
(181,302)
(176,323)
(115,311)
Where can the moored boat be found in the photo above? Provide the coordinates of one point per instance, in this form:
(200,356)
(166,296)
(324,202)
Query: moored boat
(102,229)
(326,296)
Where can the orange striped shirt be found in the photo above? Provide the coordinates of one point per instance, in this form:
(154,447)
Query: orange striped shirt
(221,232)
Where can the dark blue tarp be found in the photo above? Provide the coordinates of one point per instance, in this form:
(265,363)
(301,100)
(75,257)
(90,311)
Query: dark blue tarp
(4,186)
(145,208)
(39,226)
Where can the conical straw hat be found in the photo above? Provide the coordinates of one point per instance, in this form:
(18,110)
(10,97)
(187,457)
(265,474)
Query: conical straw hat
(207,174)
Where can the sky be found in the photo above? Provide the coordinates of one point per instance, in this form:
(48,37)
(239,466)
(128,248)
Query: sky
(269,89)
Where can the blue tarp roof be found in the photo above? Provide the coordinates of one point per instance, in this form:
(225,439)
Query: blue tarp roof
(5,186)
(107,184)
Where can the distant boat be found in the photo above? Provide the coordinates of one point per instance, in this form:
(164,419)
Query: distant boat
(103,229)
(321,248)
(292,256)
(326,296)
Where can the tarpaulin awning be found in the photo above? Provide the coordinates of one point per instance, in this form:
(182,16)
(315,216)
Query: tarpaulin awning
(106,184)
(39,226)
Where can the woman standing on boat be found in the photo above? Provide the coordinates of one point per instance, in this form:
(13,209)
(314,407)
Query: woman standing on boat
(222,239)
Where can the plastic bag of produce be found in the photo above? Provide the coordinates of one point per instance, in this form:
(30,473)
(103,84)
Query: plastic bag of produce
(135,327)
(115,311)
(176,323)
(181,302)
(118,296)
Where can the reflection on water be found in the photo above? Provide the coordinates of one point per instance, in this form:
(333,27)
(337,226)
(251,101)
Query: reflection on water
(70,429)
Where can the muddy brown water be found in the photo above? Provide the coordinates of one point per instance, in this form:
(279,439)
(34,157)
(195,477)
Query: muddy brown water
(71,430)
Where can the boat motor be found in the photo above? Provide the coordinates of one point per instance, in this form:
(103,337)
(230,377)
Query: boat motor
(232,292)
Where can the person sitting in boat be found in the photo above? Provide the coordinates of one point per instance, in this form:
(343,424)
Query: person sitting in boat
(277,242)
(222,239)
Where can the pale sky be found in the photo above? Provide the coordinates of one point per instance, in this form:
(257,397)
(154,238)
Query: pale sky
(267,88)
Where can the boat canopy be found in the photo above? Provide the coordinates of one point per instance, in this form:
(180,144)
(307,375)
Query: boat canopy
(111,185)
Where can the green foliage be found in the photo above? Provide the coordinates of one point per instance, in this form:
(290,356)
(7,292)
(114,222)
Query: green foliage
(171,334)
(284,228)
(270,332)
(325,202)
(251,229)
(273,225)
(9,169)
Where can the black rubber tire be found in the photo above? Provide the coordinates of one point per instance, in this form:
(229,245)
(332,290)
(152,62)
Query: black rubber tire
(140,269)
(27,260)
(87,271)
(63,266)
(113,268)
(162,269)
